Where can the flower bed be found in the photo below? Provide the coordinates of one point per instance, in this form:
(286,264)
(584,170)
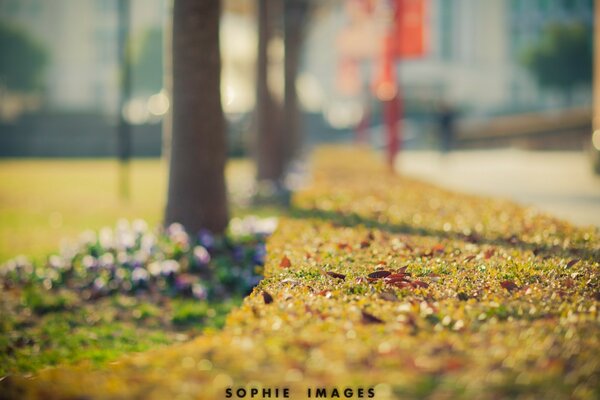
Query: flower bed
(125,289)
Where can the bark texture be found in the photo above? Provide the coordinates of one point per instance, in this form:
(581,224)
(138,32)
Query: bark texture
(197,193)
(295,16)
(270,140)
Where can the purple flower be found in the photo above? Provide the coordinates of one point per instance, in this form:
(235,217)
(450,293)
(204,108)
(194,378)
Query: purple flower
(107,260)
(99,283)
(206,239)
(155,268)
(184,282)
(266,226)
(139,226)
(260,253)
(56,262)
(169,267)
(106,238)
(125,240)
(89,262)
(139,275)
(199,291)
(238,253)
(175,228)
(201,256)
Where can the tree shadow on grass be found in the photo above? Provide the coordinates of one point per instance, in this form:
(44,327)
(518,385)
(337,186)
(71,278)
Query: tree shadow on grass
(353,219)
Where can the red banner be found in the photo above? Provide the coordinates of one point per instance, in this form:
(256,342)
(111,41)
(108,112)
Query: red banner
(409,28)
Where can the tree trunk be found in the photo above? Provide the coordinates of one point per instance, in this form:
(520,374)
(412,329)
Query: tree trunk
(294,18)
(167,122)
(197,194)
(269,144)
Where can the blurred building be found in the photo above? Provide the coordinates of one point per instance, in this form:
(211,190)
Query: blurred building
(476,50)
(474,56)
(81,39)
(527,20)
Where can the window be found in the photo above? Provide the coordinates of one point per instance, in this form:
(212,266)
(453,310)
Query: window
(105,6)
(446,32)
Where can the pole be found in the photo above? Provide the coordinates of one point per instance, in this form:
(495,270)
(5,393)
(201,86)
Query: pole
(596,69)
(124,128)
(389,93)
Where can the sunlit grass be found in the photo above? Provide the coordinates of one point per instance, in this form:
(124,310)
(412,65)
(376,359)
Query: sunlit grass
(379,281)
(45,201)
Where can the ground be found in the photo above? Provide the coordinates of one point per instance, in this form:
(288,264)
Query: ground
(44,202)
(379,281)
(561,183)
(47,206)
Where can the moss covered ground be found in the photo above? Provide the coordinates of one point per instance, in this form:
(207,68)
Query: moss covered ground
(381,282)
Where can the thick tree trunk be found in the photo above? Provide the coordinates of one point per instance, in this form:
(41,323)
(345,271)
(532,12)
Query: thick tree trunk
(197,194)
(269,144)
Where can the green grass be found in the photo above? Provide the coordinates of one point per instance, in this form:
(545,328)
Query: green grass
(46,202)
(39,328)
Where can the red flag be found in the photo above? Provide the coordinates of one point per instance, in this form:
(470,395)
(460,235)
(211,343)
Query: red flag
(409,28)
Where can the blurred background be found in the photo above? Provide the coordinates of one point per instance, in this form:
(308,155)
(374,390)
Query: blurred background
(488,60)
(490,96)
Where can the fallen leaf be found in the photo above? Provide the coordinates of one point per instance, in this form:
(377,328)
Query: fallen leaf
(472,238)
(285,262)
(469,258)
(401,284)
(438,248)
(453,364)
(419,284)
(572,262)
(267,297)
(393,278)
(509,285)
(336,275)
(342,245)
(364,244)
(489,253)
(379,274)
(513,239)
(370,318)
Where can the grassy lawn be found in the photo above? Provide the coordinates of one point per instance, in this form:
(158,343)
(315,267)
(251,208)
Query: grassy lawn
(40,328)
(43,202)
(46,203)
(382,282)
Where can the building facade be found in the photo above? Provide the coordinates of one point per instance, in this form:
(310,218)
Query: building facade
(81,40)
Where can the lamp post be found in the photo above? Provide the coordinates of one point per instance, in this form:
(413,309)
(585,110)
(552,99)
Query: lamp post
(124,128)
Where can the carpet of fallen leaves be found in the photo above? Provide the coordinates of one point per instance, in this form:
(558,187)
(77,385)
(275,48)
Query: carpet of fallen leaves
(381,281)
